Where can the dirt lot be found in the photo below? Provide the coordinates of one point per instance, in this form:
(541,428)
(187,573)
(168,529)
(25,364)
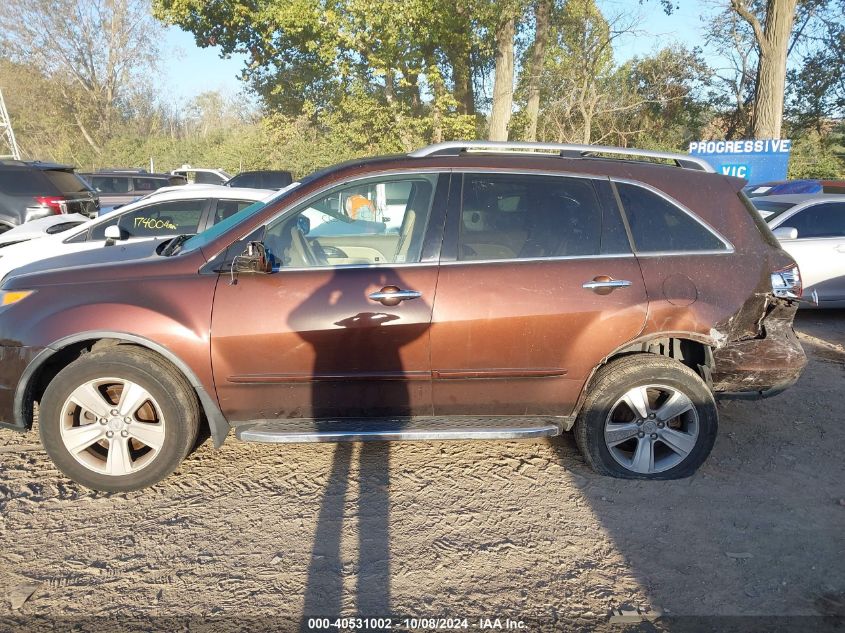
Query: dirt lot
(250,537)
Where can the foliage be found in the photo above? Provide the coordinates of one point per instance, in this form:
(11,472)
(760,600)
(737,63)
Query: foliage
(814,156)
(330,80)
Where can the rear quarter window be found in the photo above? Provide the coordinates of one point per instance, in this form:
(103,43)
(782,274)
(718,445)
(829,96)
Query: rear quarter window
(658,225)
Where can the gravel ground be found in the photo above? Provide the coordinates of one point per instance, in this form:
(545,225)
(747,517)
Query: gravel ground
(251,537)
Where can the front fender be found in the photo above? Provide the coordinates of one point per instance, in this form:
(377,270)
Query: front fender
(217,422)
(170,315)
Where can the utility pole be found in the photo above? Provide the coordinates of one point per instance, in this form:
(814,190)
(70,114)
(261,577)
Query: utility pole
(6,132)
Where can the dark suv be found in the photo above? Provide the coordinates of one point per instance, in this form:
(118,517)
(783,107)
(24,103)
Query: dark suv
(121,186)
(33,190)
(467,290)
(262,179)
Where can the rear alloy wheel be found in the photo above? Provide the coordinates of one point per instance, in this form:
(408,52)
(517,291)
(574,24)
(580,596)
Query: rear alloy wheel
(647,417)
(118,419)
(651,429)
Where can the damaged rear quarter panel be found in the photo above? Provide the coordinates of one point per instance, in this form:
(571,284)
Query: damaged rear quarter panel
(769,361)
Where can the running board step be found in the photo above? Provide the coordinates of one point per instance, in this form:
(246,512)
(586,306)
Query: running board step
(422,428)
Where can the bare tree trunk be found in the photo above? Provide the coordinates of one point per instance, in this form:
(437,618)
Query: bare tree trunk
(773,45)
(87,136)
(542,11)
(500,115)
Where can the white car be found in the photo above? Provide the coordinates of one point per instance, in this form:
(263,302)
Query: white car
(202,175)
(813,232)
(50,225)
(162,214)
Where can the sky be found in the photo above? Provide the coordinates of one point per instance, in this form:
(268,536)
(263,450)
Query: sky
(191,70)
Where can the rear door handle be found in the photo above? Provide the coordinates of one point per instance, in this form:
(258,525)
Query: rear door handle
(392,296)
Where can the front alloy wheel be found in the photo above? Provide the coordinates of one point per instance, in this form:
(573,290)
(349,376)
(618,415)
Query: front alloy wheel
(118,419)
(112,426)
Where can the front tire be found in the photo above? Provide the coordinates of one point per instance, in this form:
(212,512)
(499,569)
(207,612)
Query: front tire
(118,419)
(647,417)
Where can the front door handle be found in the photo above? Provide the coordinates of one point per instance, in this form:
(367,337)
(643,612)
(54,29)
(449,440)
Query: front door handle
(393,296)
(605,285)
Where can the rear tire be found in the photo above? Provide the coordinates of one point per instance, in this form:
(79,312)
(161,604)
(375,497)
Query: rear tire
(118,419)
(647,417)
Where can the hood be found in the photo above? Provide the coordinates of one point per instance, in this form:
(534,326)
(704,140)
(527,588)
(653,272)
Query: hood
(113,258)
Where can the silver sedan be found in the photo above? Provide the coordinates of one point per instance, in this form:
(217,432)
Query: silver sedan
(811,228)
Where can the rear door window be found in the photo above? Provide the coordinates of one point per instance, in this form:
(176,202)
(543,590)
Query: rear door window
(228,208)
(820,220)
(660,226)
(526,216)
(154,220)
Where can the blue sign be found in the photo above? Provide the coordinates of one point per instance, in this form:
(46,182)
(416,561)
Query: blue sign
(756,161)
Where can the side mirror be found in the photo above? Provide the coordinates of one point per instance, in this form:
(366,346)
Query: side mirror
(114,234)
(254,259)
(786,233)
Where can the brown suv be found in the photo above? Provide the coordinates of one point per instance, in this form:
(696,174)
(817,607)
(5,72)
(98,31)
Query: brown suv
(467,290)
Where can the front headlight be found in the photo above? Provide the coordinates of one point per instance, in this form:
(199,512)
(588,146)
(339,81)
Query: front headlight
(10,297)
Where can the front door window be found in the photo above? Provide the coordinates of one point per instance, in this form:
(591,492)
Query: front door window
(372,223)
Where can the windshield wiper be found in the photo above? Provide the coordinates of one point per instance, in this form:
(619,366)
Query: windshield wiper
(175,245)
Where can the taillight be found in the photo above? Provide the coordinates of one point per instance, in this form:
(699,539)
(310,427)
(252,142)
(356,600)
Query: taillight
(56,203)
(786,283)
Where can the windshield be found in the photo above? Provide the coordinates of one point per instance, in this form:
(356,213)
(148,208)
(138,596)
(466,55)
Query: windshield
(769,209)
(209,235)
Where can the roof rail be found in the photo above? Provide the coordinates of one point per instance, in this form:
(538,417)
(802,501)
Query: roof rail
(454,148)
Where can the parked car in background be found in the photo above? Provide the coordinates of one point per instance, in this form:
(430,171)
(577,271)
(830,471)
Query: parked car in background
(530,289)
(806,186)
(163,214)
(33,190)
(812,230)
(202,175)
(51,225)
(769,205)
(262,179)
(120,186)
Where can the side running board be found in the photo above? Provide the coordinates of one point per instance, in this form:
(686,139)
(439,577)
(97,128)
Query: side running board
(421,428)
